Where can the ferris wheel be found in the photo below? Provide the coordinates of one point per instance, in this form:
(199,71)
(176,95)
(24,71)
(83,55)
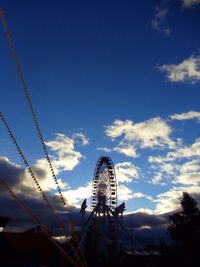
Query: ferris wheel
(101,235)
(104,185)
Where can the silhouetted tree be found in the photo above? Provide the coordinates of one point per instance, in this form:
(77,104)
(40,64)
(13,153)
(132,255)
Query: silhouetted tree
(184,226)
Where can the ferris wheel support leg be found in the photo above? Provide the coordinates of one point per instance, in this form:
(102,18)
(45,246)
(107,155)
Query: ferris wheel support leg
(84,231)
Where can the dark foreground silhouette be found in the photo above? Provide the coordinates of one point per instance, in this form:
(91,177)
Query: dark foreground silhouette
(34,249)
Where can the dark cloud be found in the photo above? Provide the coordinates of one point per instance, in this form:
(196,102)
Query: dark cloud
(10,172)
(22,185)
(144,219)
(147,228)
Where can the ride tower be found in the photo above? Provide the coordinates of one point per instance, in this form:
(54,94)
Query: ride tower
(100,240)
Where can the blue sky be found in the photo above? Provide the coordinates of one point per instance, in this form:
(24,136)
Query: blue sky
(107,76)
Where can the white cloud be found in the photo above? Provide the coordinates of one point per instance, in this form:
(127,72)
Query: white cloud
(118,128)
(145,227)
(191,115)
(184,152)
(68,162)
(189,173)
(126,149)
(189,3)
(80,138)
(168,168)
(187,70)
(170,200)
(125,193)
(190,166)
(122,148)
(76,196)
(126,172)
(157,179)
(142,210)
(180,166)
(43,174)
(159,19)
(67,158)
(163,172)
(152,133)
(192,178)
(105,149)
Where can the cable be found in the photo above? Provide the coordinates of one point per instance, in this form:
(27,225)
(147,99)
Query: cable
(58,221)
(27,96)
(28,99)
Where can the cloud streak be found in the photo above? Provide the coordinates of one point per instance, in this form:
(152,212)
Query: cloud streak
(160,18)
(189,3)
(190,115)
(186,71)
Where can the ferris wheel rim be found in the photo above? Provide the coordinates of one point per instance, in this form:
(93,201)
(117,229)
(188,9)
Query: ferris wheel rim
(112,183)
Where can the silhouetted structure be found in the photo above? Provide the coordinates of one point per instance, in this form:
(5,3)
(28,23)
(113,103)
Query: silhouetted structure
(184,228)
(101,235)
